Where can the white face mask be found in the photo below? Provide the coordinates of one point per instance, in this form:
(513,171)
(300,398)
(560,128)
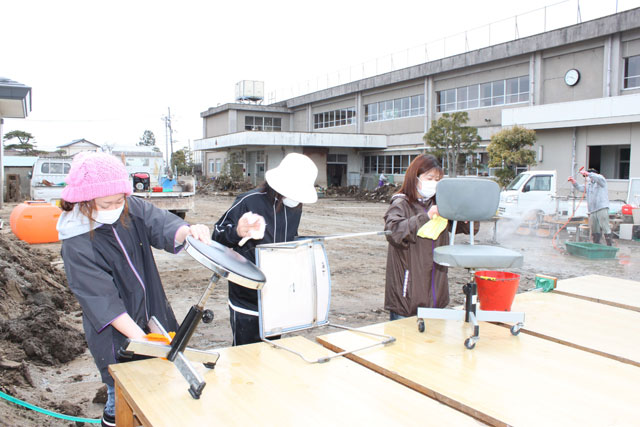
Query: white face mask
(108,217)
(290,203)
(427,188)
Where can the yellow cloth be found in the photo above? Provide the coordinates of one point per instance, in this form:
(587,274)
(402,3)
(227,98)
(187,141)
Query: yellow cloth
(433,228)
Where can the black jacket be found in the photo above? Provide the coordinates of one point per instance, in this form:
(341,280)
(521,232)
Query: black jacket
(281,226)
(113,272)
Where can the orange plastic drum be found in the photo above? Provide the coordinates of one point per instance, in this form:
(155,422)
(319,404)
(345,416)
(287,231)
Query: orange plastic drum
(35,222)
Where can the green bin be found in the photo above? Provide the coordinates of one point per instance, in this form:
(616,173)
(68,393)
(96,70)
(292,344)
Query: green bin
(591,250)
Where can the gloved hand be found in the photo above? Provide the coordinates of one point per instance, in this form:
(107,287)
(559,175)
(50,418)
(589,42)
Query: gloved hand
(251,226)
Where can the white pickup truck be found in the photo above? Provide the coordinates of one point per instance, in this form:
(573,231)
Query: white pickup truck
(534,193)
(177,195)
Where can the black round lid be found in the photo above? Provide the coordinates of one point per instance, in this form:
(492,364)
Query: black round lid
(217,255)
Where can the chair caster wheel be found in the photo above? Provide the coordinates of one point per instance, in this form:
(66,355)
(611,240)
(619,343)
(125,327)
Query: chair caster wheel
(421,325)
(207,316)
(515,329)
(470,343)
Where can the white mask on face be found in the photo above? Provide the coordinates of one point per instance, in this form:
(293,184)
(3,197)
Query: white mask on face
(108,217)
(290,203)
(427,188)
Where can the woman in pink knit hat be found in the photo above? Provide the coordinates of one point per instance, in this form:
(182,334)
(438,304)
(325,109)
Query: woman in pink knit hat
(107,238)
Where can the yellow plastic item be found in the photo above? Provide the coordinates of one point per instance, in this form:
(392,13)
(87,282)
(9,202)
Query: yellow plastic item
(433,228)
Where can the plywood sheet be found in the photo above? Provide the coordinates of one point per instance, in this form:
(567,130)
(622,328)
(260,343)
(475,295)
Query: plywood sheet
(606,290)
(505,380)
(601,329)
(260,385)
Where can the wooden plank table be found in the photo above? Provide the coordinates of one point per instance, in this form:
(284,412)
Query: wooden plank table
(506,380)
(601,329)
(260,385)
(606,290)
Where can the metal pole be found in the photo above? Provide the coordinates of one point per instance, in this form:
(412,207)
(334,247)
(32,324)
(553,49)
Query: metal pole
(170,138)
(1,165)
(166,145)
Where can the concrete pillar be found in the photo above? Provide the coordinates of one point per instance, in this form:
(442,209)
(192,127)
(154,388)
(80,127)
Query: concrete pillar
(535,79)
(233,121)
(359,113)
(309,119)
(428,103)
(616,65)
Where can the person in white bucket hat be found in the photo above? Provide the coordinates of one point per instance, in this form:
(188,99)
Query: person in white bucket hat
(268,214)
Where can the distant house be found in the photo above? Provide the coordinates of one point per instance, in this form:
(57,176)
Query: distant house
(77,146)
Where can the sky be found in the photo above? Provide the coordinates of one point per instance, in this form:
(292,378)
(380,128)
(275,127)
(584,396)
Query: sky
(107,71)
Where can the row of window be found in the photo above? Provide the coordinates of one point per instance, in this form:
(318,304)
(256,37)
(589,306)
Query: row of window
(269,124)
(329,119)
(500,92)
(394,108)
(632,72)
(396,164)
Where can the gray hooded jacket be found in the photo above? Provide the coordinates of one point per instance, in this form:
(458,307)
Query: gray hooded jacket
(597,192)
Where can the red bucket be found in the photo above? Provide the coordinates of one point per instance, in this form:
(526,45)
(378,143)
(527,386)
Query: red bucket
(496,289)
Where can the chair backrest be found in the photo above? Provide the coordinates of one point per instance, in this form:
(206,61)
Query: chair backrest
(467,199)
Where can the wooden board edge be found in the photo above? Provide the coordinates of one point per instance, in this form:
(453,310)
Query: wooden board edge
(430,393)
(571,344)
(598,300)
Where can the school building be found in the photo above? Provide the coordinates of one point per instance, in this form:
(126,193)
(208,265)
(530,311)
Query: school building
(577,86)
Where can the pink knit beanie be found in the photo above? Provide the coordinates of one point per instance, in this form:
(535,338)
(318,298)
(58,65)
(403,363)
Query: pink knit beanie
(96,175)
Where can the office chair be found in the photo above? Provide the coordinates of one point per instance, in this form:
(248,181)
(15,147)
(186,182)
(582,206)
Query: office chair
(471,199)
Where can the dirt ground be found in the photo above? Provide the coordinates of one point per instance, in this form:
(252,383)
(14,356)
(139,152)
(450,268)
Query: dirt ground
(43,357)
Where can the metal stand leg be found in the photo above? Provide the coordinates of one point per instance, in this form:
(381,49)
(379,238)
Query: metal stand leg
(178,350)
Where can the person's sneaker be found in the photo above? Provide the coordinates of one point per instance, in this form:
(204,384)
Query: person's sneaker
(108,420)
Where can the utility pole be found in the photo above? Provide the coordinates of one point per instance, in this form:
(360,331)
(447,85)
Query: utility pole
(168,139)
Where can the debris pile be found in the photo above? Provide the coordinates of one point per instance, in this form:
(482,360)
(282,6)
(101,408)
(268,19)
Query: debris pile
(381,194)
(350,191)
(34,304)
(224,184)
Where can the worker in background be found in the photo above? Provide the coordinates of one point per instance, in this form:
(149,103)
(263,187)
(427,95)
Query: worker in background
(382,180)
(597,204)
(107,238)
(413,279)
(268,214)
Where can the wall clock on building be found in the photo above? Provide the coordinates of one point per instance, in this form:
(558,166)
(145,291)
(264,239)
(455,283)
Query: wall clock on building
(572,77)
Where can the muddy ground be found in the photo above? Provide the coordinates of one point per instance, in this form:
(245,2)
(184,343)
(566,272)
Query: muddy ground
(43,357)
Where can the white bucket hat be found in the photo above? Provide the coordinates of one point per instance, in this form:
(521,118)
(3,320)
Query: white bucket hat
(294,178)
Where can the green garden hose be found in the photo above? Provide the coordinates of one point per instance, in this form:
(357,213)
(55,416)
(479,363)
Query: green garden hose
(46,412)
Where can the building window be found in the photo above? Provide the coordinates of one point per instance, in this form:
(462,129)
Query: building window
(268,124)
(394,108)
(632,72)
(337,158)
(329,119)
(396,164)
(499,92)
(612,161)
